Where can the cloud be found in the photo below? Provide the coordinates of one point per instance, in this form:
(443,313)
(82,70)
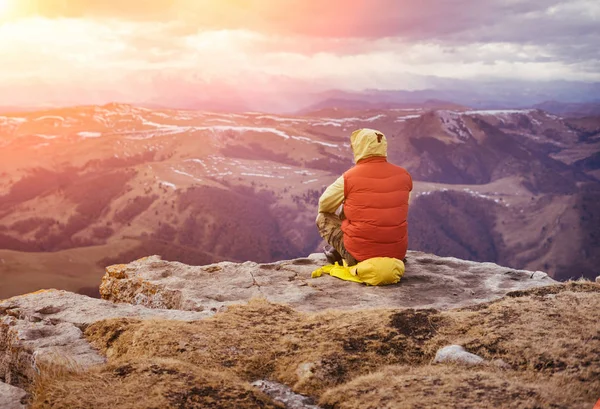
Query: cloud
(137,47)
(340,25)
(409,19)
(570,27)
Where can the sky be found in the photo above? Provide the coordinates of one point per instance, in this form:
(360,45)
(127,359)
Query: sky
(93,51)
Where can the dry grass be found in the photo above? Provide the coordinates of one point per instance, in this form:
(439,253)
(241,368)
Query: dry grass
(261,340)
(549,337)
(156,383)
(406,387)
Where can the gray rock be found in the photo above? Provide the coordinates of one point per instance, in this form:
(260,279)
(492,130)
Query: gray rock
(598,279)
(429,282)
(457,354)
(500,364)
(12,397)
(48,326)
(285,395)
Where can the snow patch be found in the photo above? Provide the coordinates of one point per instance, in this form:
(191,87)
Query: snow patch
(454,125)
(406,117)
(304,173)
(10,119)
(374,118)
(168,184)
(331,145)
(41,118)
(499,112)
(482,196)
(280,119)
(180,172)
(262,175)
(100,119)
(341,120)
(327,123)
(549,115)
(200,161)
(164,126)
(45,136)
(227,121)
(161,114)
(90,134)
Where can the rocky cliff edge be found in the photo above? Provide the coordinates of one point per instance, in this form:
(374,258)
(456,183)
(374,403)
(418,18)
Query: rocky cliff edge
(452,333)
(429,282)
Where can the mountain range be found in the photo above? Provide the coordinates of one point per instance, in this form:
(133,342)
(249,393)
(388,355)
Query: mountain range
(89,186)
(285,96)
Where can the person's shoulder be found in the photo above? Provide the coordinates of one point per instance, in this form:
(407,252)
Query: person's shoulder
(350,171)
(399,169)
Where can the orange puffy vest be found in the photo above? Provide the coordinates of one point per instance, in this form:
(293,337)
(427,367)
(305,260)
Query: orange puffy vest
(376,209)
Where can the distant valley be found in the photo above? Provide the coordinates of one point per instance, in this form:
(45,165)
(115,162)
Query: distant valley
(84,187)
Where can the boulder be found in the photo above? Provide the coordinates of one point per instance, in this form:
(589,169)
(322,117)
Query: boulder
(12,397)
(429,282)
(47,326)
(284,394)
(456,354)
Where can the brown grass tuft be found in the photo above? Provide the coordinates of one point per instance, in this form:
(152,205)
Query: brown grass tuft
(407,387)
(156,383)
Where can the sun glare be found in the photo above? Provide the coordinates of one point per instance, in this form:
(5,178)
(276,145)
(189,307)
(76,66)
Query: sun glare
(4,6)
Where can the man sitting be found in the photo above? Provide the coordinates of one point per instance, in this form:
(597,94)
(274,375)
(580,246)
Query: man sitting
(375,196)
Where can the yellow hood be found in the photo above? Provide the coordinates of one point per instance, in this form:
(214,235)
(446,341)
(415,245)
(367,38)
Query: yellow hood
(368,142)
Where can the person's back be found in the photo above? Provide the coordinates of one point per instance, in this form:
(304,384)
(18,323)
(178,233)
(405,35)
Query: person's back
(375,195)
(376,209)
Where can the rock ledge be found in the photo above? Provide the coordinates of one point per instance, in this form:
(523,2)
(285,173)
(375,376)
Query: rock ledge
(430,282)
